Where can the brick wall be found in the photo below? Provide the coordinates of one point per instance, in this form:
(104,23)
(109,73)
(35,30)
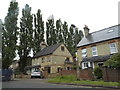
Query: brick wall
(68,72)
(85,74)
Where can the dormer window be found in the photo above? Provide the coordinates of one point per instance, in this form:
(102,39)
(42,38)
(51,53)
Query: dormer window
(111,30)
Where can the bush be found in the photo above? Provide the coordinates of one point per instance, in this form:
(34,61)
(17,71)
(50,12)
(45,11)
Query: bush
(98,72)
(114,61)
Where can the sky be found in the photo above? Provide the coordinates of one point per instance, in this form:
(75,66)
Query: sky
(96,14)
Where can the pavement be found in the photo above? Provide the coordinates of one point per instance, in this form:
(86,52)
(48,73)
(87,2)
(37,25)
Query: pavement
(92,86)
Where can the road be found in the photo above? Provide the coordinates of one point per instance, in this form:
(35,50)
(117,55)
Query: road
(38,83)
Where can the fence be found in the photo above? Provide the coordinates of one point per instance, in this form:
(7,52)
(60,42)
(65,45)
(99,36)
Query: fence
(111,75)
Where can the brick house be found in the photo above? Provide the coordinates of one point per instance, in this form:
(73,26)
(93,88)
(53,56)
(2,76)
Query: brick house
(53,58)
(97,47)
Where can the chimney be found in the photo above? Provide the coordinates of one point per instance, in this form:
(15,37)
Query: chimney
(86,30)
(43,45)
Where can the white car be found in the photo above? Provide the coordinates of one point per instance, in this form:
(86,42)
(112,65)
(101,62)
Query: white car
(36,73)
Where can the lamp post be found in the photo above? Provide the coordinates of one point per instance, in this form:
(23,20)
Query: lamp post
(78,70)
(76,54)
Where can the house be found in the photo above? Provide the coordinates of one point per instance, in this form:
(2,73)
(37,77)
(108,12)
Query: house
(97,47)
(53,58)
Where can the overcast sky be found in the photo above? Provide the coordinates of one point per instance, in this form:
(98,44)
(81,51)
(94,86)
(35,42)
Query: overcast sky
(96,14)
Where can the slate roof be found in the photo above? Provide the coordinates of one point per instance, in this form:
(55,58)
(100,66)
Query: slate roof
(100,36)
(97,58)
(47,51)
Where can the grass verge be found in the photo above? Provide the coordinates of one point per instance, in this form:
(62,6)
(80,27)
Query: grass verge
(71,79)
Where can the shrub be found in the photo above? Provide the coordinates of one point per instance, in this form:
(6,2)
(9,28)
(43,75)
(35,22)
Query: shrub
(114,61)
(98,72)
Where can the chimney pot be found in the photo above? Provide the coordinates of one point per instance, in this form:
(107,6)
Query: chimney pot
(86,30)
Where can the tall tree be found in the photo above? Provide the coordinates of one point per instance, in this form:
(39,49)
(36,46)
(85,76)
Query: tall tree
(9,35)
(38,31)
(65,33)
(26,36)
(59,31)
(74,36)
(50,31)
(70,40)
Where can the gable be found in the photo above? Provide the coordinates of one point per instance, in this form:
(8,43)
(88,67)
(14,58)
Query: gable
(60,51)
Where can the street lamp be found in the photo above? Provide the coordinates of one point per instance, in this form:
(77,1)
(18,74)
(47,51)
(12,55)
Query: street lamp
(78,69)
(76,54)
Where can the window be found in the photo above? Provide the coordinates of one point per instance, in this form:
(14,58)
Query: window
(43,61)
(94,51)
(113,48)
(67,60)
(62,48)
(84,53)
(85,65)
(100,64)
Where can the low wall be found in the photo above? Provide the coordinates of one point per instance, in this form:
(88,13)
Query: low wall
(86,74)
(68,72)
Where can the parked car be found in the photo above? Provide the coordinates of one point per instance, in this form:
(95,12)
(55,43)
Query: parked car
(6,74)
(36,73)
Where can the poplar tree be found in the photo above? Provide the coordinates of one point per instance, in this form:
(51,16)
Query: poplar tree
(65,33)
(59,31)
(50,31)
(38,31)
(9,35)
(26,36)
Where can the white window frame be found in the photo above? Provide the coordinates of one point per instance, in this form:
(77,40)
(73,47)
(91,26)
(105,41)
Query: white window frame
(84,52)
(115,48)
(94,51)
(83,65)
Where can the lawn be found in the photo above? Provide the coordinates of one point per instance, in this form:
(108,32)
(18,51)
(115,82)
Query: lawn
(71,79)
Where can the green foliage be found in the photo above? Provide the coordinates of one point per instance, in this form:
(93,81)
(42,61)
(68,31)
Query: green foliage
(50,32)
(98,72)
(114,61)
(26,36)
(38,31)
(9,35)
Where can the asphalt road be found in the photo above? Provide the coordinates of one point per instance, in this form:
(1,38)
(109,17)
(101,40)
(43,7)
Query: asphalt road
(39,83)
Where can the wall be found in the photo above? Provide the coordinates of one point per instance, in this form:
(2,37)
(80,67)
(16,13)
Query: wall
(85,74)
(68,72)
